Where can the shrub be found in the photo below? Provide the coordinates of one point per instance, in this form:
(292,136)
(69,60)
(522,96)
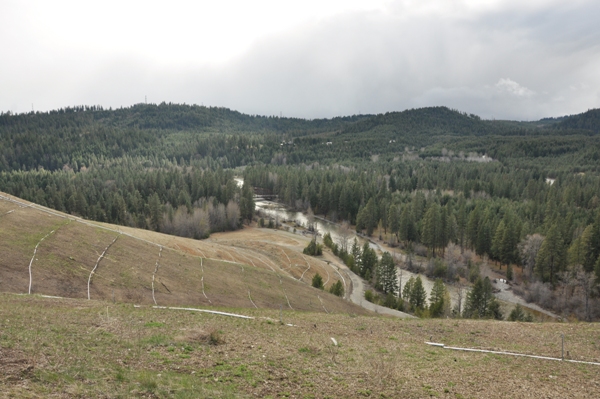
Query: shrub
(313,249)
(473,271)
(518,314)
(337,289)
(317,281)
(439,269)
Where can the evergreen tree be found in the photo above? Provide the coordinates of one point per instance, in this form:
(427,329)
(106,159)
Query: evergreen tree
(247,202)
(407,290)
(461,222)
(387,278)
(418,296)
(156,212)
(393,220)
(432,229)
(437,299)
(368,261)
(317,281)
(337,289)
(550,258)
(481,303)
(517,314)
(357,256)
(407,229)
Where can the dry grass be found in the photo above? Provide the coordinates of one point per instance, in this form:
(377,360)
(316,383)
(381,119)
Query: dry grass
(78,348)
(247,268)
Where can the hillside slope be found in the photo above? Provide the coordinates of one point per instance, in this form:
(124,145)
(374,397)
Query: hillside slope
(50,253)
(71,348)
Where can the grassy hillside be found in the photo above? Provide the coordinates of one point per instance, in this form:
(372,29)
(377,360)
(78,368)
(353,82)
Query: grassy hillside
(77,348)
(255,269)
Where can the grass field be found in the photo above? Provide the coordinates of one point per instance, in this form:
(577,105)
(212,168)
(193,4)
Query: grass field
(79,348)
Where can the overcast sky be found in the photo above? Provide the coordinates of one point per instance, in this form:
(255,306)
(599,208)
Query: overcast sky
(509,59)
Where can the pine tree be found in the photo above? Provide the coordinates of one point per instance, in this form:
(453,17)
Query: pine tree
(481,303)
(437,298)
(317,281)
(247,203)
(418,296)
(393,220)
(368,261)
(461,222)
(387,277)
(156,213)
(431,233)
(337,289)
(356,255)
(407,290)
(497,241)
(407,228)
(549,261)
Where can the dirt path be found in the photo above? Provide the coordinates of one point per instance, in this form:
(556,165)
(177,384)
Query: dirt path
(357,292)
(505,294)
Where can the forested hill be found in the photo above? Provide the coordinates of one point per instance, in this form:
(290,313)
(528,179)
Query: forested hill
(170,117)
(589,120)
(442,121)
(429,121)
(82,134)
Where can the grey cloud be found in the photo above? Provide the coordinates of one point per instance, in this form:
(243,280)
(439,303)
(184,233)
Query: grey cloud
(515,64)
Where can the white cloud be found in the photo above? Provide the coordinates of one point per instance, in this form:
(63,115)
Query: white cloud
(508,85)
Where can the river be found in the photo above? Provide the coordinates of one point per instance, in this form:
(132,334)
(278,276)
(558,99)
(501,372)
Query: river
(279,212)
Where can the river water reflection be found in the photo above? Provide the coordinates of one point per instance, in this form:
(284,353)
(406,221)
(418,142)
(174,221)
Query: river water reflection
(280,213)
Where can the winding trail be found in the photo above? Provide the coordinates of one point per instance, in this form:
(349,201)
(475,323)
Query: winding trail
(328,277)
(303,273)
(8,213)
(33,257)
(249,297)
(96,265)
(326,311)
(154,274)
(357,295)
(202,281)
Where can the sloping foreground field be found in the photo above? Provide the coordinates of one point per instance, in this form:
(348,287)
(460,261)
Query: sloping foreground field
(78,348)
(48,253)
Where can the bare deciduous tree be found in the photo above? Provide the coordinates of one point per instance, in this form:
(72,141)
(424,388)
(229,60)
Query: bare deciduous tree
(586,283)
(310,220)
(233,215)
(529,248)
(344,235)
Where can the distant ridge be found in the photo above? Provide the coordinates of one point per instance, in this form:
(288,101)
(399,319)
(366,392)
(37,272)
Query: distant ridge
(430,120)
(589,120)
